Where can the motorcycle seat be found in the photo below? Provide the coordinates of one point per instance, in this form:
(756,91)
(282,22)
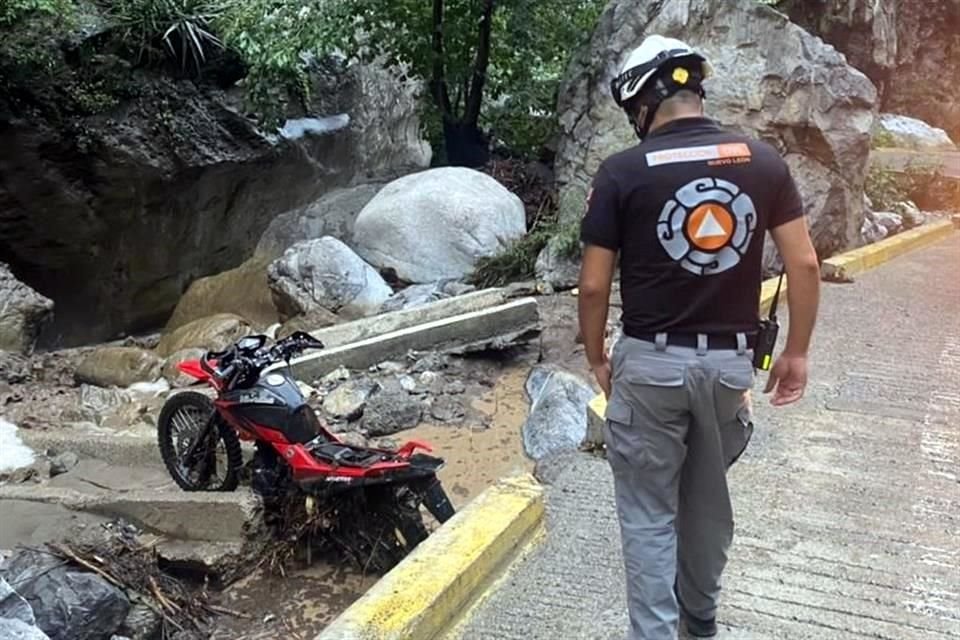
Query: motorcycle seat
(346,456)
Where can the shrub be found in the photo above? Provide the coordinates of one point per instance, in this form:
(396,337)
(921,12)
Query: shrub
(180,28)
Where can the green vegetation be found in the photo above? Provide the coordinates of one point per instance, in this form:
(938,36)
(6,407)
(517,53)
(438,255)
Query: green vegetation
(921,184)
(518,261)
(180,28)
(882,138)
(12,11)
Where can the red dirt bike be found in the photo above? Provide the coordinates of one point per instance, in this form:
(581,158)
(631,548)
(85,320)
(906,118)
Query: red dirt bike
(371,497)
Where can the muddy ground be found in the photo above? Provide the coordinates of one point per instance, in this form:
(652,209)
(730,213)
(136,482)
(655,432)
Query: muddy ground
(480,445)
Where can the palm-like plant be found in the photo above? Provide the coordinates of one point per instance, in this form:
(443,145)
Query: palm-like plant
(182,27)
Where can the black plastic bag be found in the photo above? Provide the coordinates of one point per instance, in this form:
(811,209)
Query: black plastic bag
(68,604)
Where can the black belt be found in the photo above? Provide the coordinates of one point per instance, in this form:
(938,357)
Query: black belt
(714,341)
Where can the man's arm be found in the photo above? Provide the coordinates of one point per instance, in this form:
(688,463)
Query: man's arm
(596,279)
(789,374)
(601,235)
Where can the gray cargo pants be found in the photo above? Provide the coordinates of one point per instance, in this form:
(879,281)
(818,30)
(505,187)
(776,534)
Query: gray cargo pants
(677,418)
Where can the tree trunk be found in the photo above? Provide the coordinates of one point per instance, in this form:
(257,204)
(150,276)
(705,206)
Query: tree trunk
(438,84)
(480,65)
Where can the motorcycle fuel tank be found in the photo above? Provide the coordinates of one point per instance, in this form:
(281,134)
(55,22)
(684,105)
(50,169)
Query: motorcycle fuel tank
(275,402)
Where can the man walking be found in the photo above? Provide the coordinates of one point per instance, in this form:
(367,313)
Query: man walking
(686,212)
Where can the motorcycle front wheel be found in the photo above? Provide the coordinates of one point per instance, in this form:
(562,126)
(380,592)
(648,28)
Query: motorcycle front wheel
(201,452)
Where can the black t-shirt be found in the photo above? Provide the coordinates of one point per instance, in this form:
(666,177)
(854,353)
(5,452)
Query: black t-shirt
(688,210)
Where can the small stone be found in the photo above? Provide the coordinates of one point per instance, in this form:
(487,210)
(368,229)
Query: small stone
(388,413)
(408,383)
(391,366)
(337,375)
(63,463)
(430,362)
(447,409)
(348,400)
(353,439)
(454,388)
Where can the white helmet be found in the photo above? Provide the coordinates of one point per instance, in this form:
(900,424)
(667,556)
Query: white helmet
(689,69)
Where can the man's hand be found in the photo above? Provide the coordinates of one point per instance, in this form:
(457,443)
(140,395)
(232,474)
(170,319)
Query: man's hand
(788,380)
(603,374)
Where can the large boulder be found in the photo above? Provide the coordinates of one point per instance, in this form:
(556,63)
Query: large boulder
(436,224)
(326,273)
(558,412)
(213,334)
(120,184)
(23,312)
(332,215)
(909,48)
(119,367)
(17,621)
(242,291)
(904,132)
(774,81)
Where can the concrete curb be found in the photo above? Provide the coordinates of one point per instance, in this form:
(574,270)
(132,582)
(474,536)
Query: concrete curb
(115,449)
(843,267)
(420,597)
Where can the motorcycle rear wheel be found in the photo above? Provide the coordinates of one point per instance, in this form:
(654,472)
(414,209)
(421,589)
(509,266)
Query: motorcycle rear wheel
(190,409)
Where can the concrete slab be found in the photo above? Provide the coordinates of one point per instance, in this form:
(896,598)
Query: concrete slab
(176,514)
(365,328)
(496,327)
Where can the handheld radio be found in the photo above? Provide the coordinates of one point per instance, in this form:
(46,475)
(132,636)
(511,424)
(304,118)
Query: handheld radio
(767,335)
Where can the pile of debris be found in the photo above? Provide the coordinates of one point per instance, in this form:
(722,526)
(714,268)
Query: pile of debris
(112,590)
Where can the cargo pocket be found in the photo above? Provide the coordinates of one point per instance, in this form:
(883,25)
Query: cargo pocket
(626,450)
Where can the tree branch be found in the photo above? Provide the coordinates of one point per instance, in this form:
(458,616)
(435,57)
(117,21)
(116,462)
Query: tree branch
(438,84)
(480,65)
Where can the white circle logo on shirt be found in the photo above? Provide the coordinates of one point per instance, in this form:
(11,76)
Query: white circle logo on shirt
(707,226)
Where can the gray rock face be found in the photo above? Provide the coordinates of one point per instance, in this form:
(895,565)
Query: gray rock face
(908,48)
(436,224)
(560,271)
(119,367)
(558,412)
(418,295)
(774,81)
(909,133)
(332,215)
(23,312)
(325,273)
(122,209)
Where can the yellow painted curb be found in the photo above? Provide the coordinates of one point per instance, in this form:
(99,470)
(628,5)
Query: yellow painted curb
(423,594)
(843,267)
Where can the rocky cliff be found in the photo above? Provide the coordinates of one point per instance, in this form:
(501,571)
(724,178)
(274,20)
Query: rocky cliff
(909,48)
(773,80)
(121,184)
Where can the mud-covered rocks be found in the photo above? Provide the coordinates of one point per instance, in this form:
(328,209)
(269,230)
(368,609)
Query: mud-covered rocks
(23,313)
(213,333)
(436,224)
(119,367)
(389,412)
(326,274)
(242,291)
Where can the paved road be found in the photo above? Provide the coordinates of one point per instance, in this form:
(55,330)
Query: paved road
(899,159)
(848,505)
